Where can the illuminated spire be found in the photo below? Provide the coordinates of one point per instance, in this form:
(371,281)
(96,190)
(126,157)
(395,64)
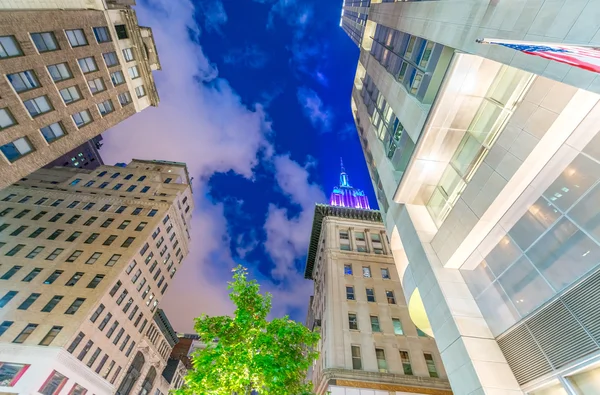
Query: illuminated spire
(345,195)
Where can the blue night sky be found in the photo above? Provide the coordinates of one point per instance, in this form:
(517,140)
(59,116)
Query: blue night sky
(255,98)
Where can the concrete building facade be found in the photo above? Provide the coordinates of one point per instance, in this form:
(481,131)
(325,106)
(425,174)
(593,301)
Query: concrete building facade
(485,164)
(86,258)
(69,72)
(369,345)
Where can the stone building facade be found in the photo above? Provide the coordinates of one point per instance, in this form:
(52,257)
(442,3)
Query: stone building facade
(86,258)
(369,344)
(68,74)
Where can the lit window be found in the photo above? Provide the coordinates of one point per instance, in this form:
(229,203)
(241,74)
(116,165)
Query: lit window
(59,72)
(52,132)
(9,47)
(23,81)
(82,118)
(88,65)
(70,94)
(16,149)
(102,34)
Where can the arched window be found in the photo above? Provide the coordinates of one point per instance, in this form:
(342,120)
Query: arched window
(148,382)
(133,373)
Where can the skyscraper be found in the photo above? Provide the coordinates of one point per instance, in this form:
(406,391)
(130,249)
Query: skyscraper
(86,156)
(354,18)
(86,258)
(70,71)
(344,195)
(485,161)
(368,341)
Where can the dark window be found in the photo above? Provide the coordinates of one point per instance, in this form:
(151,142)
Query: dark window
(56,274)
(75,306)
(7,298)
(11,272)
(52,303)
(32,274)
(25,333)
(95,281)
(97,313)
(29,301)
(74,279)
(76,342)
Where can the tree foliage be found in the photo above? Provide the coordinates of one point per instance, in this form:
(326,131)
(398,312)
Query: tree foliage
(248,352)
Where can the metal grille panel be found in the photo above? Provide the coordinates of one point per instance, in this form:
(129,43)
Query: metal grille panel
(523,355)
(584,302)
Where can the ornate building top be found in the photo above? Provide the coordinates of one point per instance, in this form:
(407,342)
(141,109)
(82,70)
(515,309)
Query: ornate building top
(345,195)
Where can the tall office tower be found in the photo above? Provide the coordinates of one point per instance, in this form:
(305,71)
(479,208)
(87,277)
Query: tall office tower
(486,162)
(86,156)
(68,74)
(86,258)
(354,18)
(346,195)
(369,345)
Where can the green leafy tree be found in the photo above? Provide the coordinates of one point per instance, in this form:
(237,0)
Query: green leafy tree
(250,353)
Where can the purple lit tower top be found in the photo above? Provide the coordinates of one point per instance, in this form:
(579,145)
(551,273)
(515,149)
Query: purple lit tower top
(345,195)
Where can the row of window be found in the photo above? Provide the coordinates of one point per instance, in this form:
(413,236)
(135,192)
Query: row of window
(116,187)
(57,251)
(153,335)
(94,357)
(84,206)
(404,357)
(370,292)
(360,236)
(11,373)
(71,310)
(52,278)
(366,272)
(72,220)
(376,327)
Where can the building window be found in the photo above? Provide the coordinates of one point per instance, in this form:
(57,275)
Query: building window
(110,58)
(10,373)
(70,94)
(356,358)
(87,65)
(385,273)
(82,118)
(140,91)
(29,301)
(350,293)
(370,295)
(431,365)
(95,281)
(96,85)
(7,298)
(390,297)
(109,240)
(93,358)
(73,236)
(397,326)
(89,184)
(54,254)
(55,274)
(32,274)
(102,34)
(73,219)
(23,81)
(106,107)
(50,336)
(128,242)
(60,72)
(124,98)
(366,271)
(74,279)
(79,390)
(131,188)
(406,366)
(128,54)
(344,235)
(152,212)
(103,185)
(22,213)
(9,47)
(381,363)
(76,37)
(144,249)
(75,306)
(375,324)
(359,236)
(117,78)
(76,342)
(121,32)
(112,329)
(11,272)
(16,149)
(52,303)
(56,217)
(134,72)
(145,189)
(97,313)
(113,259)
(38,106)
(120,209)
(85,350)
(361,248)
(117,187)
(6,119)
(345,247)
(347,270)
(124,224)
(25,333)
(57,202)
(352,321)
(19,230)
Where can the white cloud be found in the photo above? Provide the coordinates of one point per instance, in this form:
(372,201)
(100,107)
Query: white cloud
(288,235)
(250,55)
(320,116)
(213,13)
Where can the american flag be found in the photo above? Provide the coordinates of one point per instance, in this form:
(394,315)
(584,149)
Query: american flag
(584,57)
